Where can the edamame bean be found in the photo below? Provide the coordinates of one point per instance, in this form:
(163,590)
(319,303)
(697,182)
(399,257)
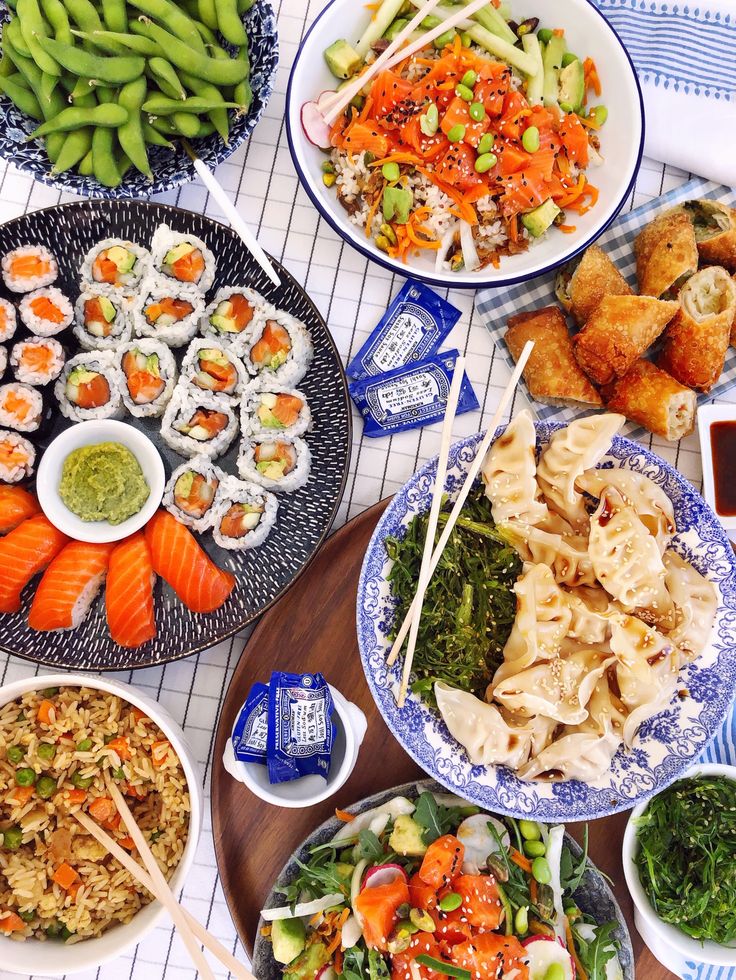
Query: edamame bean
(166,78)
(115,43)
(229,23)
(477,111)
(485,145)
(220,72)
(451,901)
(161,105)
(534,848)
(485,161)
(541,870)
(208,13)
(444,39)
(113,70)
(530,139)
(544,35)
(429,122)
(469,78)
(103,116)
(599,113)
(55,13)
(456,133)
(463,92)
(555,971)
(391,171)
(130,134)
(34,30)
(521,920)
(218,117)
(430,22)
(528,829)
(154,138)
(176,20)
(22,97)
(115,15)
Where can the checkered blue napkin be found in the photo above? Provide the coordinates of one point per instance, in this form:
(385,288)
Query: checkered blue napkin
(495,306)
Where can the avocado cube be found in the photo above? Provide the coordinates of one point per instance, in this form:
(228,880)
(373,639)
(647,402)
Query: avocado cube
(572,87)
(123,258)
(538,220)
(342,59)
(308,964)
(108,310)
(177,252)
(288,937)
(406,837)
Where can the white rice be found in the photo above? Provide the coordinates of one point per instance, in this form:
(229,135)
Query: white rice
(29,418)
(120,328)
(18,284)
(15,472)
(8,321)
(37,324)
(3,360)
(235,492)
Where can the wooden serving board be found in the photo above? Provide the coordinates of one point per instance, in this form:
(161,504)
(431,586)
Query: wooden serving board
(313,629)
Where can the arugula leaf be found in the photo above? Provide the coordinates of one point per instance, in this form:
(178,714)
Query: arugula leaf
(319,877)
(595,953)
(370,847)
(571,874)
(378,970)
(427,815)
(354,965)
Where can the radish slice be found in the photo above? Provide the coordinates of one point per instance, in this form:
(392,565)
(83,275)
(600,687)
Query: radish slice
(351,933)
(447,240)
(479,842)
(304,908)
(542,952)
(326,973)
(379,823)
(384,874)
(554,842)
(394,807)
(355,888)
(470,255)
(315,128)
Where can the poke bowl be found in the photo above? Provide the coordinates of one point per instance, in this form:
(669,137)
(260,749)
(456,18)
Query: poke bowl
(660,743)
(459,230)
(69,730)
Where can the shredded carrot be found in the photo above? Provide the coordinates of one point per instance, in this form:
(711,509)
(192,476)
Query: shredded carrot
(567,229)
(344,815)
(337,961)
(590,122)
(533,890)
(372,6)
(589,195)
(514,229)
(520,860)
(558,32)
(396,158)
(590,73)
(579,969)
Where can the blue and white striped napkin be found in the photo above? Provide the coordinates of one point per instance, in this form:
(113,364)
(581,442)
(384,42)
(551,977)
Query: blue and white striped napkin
(685,56)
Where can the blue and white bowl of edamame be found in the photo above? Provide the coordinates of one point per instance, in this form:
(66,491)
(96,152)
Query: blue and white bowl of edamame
(170,167)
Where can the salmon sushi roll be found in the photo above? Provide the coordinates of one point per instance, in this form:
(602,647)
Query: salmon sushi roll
(25,552)
(280,349)
(275,463)
(89,387)
(148,369)
(192,491)
(69,586)
(129,592)
(197,422)
(102,318)
(28,268)
(233,316)
(16,505)
(8,321)
(273,410)
(37,361)
(182,258)
(210,366)
(21,407)
(244,516)
(46,311)
(168,312)
(17,457)
(116,262)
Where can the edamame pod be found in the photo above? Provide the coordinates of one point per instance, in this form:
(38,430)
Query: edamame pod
(130,134)
(166,78)
(76,146)
(104,165)
(48,84)
(114,70)
(20,95)
(218,117)
(185,123)
(115,15)
(115,43)
(243,93)
(229,23)
(34,30)
(208,13)
(218,71)
(244,6)
(81,89)
(7,68)
(13,33)
(161,105)
(177,21)
(33,75)
(55,13)
(105,116)
(85,165)
(84,14)
(207,35)
(154,137)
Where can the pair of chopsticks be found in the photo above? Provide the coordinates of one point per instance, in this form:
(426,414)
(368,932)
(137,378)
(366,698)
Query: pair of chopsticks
(192,932)
(430,554)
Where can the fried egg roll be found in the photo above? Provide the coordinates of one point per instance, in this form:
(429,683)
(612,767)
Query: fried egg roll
(714,225)
(648,395)
(581,286)
(666,254)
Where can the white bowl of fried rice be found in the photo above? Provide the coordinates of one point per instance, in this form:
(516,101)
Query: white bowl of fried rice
(65,904)
(496,239)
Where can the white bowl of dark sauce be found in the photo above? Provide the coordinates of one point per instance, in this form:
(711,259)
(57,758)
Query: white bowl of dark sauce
(717,431)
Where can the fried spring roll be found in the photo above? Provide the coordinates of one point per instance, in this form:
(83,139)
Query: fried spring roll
(580,287)
(666,254)
(714,225)
(552,374)
(696,341)
(619,331)
(648,395)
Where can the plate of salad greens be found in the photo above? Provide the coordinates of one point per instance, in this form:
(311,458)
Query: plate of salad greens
(413,883)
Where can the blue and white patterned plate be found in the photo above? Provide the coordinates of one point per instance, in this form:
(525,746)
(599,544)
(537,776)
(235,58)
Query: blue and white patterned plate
(171,168)
(665,745)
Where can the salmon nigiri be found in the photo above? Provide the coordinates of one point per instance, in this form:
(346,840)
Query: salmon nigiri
(69,585)
(25,552)
(129,592)
(16,505)
(176,557)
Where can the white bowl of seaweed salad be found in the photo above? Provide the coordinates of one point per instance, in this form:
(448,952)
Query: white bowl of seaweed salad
(679,858)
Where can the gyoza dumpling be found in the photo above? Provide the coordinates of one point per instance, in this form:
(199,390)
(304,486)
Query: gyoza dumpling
(649,500)
(626,560)
(606,711)
(509,471)
(571,451)
(481,728)
(566,554)
(579,755)
(592,611)
(696,604)
(542,620)
(558,688)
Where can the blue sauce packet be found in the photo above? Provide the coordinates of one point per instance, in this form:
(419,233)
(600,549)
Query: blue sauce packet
(412,328)
(300,726)
(410,396)
(251,728)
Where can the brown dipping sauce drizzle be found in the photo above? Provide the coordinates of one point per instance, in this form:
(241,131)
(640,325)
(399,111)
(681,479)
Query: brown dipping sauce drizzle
(723,449)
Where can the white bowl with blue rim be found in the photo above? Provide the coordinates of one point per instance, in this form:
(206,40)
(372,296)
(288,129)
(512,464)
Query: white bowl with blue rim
(588,33)
(665,746)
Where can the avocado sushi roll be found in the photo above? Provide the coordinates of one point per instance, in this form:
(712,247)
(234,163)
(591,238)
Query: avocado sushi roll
(46,311)
(168,312)
(279,349)
(274,462)
(182,258)
(29,267)
(8,321)
(17,457)
(192,491)
(273,410)
(89,387)
(37,361)
(244,517)
(198,422)
(149,375)
(210,366)
(21,407)
(101,318)
(116,262)
(233,315)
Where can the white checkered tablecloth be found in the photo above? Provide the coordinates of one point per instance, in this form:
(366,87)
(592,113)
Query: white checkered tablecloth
(352,294)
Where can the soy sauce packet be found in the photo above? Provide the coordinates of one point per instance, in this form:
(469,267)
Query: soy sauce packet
(250,734)
(410,396)
(413,327)
(300,726)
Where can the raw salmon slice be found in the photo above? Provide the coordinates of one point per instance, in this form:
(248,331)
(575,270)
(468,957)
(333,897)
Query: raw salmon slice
(69,586)
(129,592)
(25,552)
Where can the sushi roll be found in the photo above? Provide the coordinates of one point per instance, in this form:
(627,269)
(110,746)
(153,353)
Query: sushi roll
(89,387)
(192,490)
(3,360)
(211,366)
(116,262)
(168,312)
(279,349)
(198,422)
(17,457)
(37,361)
(275,411)
(277,464)
(149,375)
(21,407)
(8,321)
(46,311)
(244,517)
(233,314)
(101,318)
(182,258)
(29,267)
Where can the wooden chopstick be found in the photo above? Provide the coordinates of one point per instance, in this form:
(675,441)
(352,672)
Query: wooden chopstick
(425,572)
(463,495)
(165,895)
(211,942)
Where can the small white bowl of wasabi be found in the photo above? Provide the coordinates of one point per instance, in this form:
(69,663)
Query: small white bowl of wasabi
(100,481)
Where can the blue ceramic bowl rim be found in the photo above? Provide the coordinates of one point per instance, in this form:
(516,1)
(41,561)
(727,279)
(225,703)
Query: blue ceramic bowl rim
(374,255)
